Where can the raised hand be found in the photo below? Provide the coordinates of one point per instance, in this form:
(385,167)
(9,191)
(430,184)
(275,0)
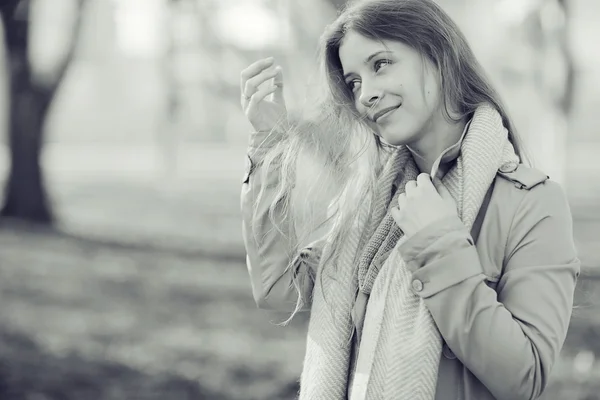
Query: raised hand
(259,80)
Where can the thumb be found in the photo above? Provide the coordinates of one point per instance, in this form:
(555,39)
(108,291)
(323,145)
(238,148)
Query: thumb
(441,189)
(278,81)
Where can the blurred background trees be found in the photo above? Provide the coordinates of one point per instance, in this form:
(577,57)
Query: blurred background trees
(176,65)
(31,90)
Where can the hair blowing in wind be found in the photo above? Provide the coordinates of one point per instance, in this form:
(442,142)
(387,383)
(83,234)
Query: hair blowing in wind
(329,159)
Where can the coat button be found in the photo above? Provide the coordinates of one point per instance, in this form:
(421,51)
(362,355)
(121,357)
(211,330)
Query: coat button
(509,167)
(417,285)
(447,352)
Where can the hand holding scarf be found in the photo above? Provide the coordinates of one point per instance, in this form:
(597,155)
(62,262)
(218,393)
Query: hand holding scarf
(422,203)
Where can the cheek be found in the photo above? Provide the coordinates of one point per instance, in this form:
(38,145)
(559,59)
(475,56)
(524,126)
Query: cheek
(429,96)
(431,92)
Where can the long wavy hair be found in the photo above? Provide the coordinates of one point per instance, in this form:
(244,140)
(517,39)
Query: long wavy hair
(329,159)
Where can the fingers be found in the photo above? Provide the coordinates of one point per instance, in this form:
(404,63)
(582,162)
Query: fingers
(254,69)
(441,189)
(423,179)
(410,185)
(278,82)
(402,201)
(438,184)
(253,83)
(261,94)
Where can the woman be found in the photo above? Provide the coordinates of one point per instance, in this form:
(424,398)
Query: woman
(434,262)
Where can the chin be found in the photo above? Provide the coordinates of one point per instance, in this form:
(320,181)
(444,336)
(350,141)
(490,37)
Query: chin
(397,138)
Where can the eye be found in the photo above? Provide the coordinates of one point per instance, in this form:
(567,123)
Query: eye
(354,84)
(380,64)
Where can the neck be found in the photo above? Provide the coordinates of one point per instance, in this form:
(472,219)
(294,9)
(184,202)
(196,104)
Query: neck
(431,145)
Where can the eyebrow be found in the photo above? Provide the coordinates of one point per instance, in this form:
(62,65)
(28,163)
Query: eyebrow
(372,56)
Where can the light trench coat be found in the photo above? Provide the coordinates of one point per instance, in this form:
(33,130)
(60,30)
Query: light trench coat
(502,305)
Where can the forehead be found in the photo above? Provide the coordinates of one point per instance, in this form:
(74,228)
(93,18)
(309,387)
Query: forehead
(356,48)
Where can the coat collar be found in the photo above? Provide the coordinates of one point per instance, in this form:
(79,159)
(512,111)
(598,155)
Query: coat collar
(443,162)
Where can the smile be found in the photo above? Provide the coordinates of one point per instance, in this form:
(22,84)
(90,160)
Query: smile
(384,113)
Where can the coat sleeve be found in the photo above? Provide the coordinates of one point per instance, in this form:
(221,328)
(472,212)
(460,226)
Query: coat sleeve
(277,275)
(509,338)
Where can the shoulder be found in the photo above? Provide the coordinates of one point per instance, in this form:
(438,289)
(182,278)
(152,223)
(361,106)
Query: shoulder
(529,184)
(522,176)
(528,195)
(528,210)
(513,183)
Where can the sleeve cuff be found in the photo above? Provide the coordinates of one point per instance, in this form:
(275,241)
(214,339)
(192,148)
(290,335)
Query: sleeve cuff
(449,271)
(261,142)
(440,256)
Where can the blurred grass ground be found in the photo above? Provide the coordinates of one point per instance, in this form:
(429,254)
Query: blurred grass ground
(132,319)
(144,295)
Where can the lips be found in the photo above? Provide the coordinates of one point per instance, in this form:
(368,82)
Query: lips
(383,113)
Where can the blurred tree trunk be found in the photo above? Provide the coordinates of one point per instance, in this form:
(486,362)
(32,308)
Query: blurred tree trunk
(568,95)
(554,75)
(25,192)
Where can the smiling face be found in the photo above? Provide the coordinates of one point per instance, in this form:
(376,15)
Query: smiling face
(393,87)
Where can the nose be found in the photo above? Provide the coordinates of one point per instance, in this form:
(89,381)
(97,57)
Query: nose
(369,95)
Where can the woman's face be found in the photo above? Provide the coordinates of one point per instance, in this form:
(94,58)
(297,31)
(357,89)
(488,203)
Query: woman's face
(393,87)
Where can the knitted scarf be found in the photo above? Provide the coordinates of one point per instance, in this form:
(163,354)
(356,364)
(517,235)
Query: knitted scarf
(400,345)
